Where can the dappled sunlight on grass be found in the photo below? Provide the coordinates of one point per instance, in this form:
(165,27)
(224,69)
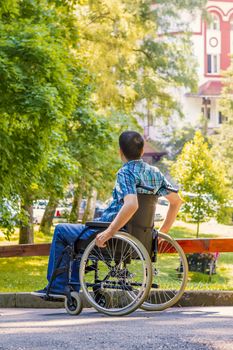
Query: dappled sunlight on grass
(23,274)
(39,237)
(183,232)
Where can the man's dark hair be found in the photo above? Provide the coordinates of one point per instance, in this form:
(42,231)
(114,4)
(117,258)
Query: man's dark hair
(131,143)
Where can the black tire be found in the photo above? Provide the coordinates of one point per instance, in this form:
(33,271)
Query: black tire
(170,275)
(75,306)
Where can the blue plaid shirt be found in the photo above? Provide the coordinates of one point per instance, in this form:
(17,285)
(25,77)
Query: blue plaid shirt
(132,174)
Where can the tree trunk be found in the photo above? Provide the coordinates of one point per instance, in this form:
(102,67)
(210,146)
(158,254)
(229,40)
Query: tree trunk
(91,213)
(87,208)
(26,232)
(198,216)
(90,206)
(198,228)
(47,220)
(206,103)
(74,214)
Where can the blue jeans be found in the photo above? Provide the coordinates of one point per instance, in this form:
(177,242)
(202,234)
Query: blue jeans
(65,234)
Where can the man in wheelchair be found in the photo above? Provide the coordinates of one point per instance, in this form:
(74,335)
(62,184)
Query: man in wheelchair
(134,177)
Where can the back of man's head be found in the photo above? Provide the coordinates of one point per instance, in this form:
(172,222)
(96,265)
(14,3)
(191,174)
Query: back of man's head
(131,143)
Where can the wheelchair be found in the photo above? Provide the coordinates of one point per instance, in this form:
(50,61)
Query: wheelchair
(138,268)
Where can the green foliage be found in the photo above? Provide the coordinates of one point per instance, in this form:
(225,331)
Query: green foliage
(93,141)
(133,57)
(172,138)
(41,83)
(225,214)
(224,140)
(72,73)
(38,91)
(202,178)
(222,143)
(8,217)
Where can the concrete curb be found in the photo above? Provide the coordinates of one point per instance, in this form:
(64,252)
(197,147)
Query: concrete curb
(190,298)
(206,298)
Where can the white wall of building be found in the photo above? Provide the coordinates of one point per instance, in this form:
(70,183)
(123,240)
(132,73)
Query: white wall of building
(206,40)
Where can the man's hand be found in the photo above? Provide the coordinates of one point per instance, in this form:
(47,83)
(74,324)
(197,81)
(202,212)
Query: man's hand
(126,212)
(103,237)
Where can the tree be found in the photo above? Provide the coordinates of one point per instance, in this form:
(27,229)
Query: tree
(40,83)
(93,141)
(173,136)
(134,57)
(202,179)
(224,138)
(37,88)
(52,65)
(54,180)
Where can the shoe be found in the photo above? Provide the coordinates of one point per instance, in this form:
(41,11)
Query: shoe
(42,293)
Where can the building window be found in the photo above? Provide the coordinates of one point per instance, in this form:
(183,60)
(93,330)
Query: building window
(208,112)
(213,64)
(215,23)
(219,117)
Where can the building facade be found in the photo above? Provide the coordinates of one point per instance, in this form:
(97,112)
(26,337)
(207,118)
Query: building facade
(213,47)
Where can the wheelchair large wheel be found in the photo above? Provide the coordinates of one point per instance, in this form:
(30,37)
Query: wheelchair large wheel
(116,279)
(170,275)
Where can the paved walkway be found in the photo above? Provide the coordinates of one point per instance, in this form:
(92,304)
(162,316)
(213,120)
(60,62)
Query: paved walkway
(176,328)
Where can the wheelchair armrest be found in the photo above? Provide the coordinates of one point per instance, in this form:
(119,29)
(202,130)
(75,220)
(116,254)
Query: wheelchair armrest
(97,223)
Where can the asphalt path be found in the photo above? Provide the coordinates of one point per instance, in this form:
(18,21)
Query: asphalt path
(177,328)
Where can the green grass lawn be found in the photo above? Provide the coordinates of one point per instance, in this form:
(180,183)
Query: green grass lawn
(29,273)
(184,232)
(223,280)
(23,274)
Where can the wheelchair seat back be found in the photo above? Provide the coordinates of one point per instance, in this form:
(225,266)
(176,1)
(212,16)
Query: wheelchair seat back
(142,223)
(140,226)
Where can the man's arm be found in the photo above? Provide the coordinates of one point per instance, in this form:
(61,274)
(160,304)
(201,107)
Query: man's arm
(175,203)
(129,207)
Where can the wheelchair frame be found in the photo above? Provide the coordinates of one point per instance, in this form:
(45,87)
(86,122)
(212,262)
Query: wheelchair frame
(140,232)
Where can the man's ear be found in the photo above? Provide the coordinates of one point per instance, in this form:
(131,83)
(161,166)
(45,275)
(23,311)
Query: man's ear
(122,156)
(142,152)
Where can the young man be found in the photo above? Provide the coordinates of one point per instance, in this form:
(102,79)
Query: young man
(124,204)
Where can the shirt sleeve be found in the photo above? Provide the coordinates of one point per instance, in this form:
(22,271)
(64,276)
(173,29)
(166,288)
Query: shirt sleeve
(165,187)
(126,183)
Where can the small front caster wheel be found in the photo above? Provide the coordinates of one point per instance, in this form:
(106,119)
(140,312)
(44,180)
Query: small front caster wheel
(75,305)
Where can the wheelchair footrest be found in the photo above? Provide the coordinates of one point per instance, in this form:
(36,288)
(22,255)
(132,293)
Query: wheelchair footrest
(53,297)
